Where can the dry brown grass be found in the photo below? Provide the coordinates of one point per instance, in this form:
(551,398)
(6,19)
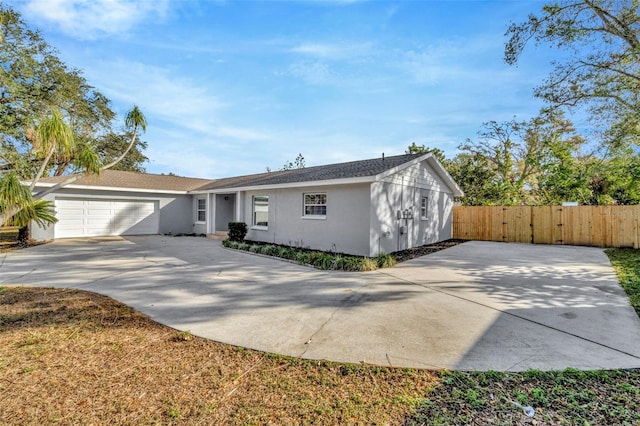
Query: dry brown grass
(73,357)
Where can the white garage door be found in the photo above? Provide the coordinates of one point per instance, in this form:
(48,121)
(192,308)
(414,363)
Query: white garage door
(93,217)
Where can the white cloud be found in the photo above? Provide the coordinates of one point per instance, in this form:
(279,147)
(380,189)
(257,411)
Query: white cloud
(88,19)
(433,64)
(312,72)
(333,50)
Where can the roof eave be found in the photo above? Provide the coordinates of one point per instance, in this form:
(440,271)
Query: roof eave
(111,188)
(326,182)
(437,167)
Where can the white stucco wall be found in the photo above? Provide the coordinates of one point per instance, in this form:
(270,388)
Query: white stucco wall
(402,191)
(176,210)
(345,228)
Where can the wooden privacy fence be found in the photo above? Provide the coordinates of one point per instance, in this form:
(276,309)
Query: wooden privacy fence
(600,226)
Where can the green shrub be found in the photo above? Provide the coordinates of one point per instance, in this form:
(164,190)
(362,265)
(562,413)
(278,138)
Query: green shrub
(230,244)
(255,248)
(270,250)
(325,261)
(339,263)
(237,231)
(385,261)
(288,253)
(303,258)
(243,246)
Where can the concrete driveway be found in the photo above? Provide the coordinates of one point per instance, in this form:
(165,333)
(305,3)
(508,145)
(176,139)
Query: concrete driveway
(476,306)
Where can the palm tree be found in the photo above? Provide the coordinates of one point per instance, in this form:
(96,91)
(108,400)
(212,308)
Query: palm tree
(53,137)
(14,193)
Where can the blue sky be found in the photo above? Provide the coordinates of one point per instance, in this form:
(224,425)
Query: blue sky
(231,88)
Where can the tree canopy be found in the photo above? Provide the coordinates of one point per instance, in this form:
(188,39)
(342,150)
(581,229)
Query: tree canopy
(601,72)
(52,122)
(540,162)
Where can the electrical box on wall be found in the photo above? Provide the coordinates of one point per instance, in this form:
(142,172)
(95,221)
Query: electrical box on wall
(403,230)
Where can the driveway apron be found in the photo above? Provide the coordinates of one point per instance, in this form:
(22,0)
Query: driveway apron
(475,306)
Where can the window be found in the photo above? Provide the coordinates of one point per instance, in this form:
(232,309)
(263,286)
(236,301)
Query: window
(261,210)
(201,210)
(424,208)
(315,204)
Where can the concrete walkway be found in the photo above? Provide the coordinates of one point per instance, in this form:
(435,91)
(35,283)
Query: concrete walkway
(476,306)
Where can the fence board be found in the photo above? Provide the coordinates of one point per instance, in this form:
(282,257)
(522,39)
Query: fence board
(600,226)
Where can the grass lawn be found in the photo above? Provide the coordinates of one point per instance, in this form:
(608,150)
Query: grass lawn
(73,357)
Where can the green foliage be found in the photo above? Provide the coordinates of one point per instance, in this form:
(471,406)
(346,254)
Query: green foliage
(50,117)
(54,137)
(626,262)
(421,149)
(237,231)
(111,145)
(230,244)
(558,397)
(34,84)
(511,156)
(298,163)
(318,259)
(601,71)
(135,119)
(41,212)
(385,261)
(540,162)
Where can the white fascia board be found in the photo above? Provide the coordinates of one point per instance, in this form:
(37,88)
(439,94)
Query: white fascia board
(111,188)
(446,177)
(328,182)
(402,166)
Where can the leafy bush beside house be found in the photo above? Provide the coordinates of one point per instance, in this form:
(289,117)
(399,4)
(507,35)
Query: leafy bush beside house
(237,231)
(317,259)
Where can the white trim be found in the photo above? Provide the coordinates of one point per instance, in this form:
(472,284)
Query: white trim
(259,228)
(304,203)
(253,212)
(198,210)
(317,217)
(211,217)
(429,157)
(111,188)
(311,183)
(426,207)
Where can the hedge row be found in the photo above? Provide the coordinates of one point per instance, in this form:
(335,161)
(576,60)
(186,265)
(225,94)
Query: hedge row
(317,259)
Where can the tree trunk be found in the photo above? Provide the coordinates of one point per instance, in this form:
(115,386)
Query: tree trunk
(24,235)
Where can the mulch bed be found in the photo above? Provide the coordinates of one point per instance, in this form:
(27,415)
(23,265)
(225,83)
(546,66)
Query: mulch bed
(412,253)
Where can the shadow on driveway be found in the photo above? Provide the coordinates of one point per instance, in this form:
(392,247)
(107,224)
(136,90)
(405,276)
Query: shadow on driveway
(475,306)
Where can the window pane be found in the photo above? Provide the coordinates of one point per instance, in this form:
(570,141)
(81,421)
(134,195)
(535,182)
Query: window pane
(261,210)
(201,209)
(315,210)
(315,204)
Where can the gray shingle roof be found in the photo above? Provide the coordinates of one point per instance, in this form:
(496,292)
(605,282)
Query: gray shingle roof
(134,180)
(352,169)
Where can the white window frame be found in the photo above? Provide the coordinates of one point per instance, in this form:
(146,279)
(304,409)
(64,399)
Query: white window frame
(201,210)
(424,207)
(306,215)
(254,224)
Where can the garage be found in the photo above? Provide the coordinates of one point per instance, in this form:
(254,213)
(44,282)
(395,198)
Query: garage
(88,217)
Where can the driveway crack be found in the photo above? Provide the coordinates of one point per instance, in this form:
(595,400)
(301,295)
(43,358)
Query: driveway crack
(350,301)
